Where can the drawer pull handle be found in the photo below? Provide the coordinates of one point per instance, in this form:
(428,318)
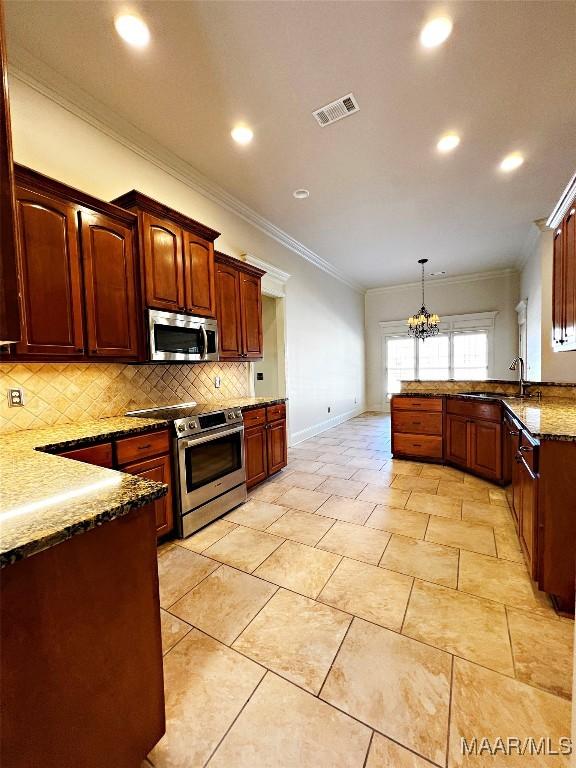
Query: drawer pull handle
(417,423)
(143,447)
(417,445)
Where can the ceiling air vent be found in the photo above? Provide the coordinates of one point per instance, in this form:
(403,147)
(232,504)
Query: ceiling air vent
(336,110)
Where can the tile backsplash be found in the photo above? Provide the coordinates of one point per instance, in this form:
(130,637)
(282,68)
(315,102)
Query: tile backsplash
(59,393)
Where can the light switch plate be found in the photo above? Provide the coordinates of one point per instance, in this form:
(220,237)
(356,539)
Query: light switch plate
(16,397)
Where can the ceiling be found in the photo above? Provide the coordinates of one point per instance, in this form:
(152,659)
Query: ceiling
(381,196)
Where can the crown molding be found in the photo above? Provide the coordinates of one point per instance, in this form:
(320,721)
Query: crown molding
(453,280)
(25,67)
(270,269)
(566,199)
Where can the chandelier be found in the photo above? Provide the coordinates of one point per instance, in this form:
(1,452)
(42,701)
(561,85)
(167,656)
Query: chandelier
(423,324)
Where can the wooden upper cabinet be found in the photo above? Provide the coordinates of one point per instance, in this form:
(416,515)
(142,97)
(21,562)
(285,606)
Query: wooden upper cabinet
(109,287)
(50,281)
(163,265)
(238,308)
(178,252)
(251,312)
(199,282)
(558,288)
(9,313)
(569,244)
(229,318)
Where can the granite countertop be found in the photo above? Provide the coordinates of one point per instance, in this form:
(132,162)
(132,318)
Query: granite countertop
(46,499)
(546,419)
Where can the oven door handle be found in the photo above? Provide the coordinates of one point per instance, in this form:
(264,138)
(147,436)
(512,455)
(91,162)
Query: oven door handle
(210,438)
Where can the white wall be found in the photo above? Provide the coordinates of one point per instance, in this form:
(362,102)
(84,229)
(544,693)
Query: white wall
(479,294)
(545,363)
(324,317)
(268,366)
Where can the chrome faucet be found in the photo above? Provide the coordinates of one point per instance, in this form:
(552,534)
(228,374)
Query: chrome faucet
(521,383)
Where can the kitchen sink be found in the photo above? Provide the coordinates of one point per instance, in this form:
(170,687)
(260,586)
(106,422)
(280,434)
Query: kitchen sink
(487,394)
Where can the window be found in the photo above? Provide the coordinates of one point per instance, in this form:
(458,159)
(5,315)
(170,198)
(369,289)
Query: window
(461,351)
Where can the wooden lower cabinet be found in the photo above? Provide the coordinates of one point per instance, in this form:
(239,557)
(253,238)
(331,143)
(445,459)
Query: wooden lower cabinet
(485,449)
(255,458)
(146,455)
(159,470)
(265,442)
(456,439)
(528,516)
(417,427)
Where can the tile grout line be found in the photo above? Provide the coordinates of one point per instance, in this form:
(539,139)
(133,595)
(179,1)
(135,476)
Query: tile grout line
(266,671)
(258,612)
(511,645)
(368,750)
(319,694)
(406,608)
(452,663)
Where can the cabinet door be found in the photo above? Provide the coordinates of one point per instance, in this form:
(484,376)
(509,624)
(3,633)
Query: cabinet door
(109,287)
(251,309)
(277,446)
(528,516)
(485,449)
(569,259)
(200,293)
(99,455)
(229,323)
(163,265)
(457,439)
(157,469)
(558,289)
(49,271)
(255,455)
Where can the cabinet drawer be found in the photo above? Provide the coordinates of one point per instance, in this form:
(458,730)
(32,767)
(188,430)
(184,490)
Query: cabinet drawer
(275,412)
(417,403)
(475,410)
(429,446)
(254,417)
(417,423)
(100,455)
(141,446)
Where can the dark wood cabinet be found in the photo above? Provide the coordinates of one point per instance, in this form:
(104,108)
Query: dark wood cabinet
(109,287)
(456,439)
(159,470)
(77,274)
(163,265)
(528,515)
(485,449)
(50,279)
(178,255)
(265,442)
(255,448)
(277,447)
(238,308)
(417,427)
(229,317)
(100,455)
(199,276)
(564,281)
(9,313)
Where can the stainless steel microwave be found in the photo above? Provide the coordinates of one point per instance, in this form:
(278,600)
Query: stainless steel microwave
(186,338)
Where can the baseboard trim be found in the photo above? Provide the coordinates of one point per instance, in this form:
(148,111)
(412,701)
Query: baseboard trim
(323,426)
(379,407)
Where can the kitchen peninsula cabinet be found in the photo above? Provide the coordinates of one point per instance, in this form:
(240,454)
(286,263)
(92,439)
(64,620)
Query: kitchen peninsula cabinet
(474,437)
(77,274)
(178,257)
(9,315)
(417,427)
(265,442)
(239,309)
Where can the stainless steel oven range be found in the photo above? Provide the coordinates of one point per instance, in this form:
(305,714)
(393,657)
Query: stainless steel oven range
(210,477)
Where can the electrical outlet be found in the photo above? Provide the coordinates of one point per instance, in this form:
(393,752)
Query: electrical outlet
(16,397)
(328,409)
(217,382)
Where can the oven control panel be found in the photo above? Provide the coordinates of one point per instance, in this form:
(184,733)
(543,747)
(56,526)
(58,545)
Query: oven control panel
(204,422)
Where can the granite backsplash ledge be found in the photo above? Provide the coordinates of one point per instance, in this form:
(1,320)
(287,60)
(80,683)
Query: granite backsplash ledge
(62,393)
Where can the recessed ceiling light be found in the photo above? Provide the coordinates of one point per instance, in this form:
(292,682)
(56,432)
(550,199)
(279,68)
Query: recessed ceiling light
(448,142)
(242,134)
(435,32)
(301,194)
(511,162)
(133,30)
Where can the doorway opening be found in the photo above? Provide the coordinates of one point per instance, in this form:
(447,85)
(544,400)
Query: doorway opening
(269,373)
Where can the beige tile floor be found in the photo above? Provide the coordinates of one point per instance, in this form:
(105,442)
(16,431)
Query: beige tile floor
(358,611)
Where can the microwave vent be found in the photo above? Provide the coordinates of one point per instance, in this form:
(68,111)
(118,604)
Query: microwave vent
(336,110)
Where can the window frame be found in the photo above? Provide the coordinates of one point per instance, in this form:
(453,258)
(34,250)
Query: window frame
(450,325)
